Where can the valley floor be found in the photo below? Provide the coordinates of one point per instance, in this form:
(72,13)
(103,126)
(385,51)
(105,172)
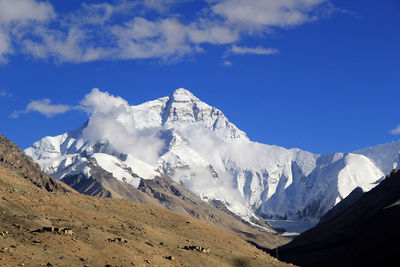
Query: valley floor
(292,228)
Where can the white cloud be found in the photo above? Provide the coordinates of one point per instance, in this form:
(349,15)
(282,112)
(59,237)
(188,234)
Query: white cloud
(5,93)
(253,14)
(141,38)
(162,6)
(5,45)
(112,120)
(243,50)
(227,63)
(124,29)
(24,10)
(44,107)
(396,131)
(15,15)
(63,47)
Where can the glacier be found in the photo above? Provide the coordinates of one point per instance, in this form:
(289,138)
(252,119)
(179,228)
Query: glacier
(197,146)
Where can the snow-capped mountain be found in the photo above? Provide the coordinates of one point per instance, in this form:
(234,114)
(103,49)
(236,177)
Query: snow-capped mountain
(197,146)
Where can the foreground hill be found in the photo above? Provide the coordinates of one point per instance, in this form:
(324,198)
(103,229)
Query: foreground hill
(365,233)
(105,231)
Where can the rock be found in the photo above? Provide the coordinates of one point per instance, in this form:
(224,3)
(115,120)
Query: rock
(117,239)
(171,258)
(149,244)
(197,248)
(68,231)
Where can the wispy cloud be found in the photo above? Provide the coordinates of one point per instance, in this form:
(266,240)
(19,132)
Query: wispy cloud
(396,131)
(5,93)
(122,30)
(243,50)
(227,63)
(15,15)
(258,14)
(44,107)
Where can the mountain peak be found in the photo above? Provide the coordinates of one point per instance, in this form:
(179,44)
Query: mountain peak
(182,109)
(183,95)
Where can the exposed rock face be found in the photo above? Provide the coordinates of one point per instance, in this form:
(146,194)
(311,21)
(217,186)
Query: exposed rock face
(364,234)
(13,158)
(101,183)
(163,191)
(183,109)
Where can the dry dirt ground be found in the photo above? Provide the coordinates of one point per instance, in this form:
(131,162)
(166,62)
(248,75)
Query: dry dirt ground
(108,232)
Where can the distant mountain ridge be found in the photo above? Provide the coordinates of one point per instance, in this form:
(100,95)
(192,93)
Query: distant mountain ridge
(196,145)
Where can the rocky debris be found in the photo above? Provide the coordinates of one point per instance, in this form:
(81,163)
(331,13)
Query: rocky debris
(149,244)
(60,230)
(4,233)
(117,240)
(197,248)
(171,258)
(17,225)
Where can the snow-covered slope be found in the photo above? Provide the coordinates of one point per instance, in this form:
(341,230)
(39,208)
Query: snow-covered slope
(386,157)
(197,146)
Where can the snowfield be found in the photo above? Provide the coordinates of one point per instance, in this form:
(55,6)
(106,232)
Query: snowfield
(197,146)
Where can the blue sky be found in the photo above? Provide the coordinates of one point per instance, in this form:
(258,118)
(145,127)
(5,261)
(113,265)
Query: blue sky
(319,75)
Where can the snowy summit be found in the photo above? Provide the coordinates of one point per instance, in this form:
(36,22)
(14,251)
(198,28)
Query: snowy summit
(196,145)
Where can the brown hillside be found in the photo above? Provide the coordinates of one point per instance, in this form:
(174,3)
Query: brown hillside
(13,158)
(152,234)
(105,232)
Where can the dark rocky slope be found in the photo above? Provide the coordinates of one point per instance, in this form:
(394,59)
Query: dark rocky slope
(355,195)
(366,233)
